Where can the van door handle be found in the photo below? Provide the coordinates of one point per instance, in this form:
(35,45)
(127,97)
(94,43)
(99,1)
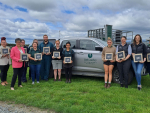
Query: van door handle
(81,53)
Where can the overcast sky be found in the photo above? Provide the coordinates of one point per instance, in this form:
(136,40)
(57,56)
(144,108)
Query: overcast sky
(29,19)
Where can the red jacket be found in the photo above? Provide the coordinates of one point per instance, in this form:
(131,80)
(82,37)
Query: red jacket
(15,56)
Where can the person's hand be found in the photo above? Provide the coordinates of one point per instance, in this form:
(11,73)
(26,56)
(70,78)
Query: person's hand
(71,61)
(105,60)
(119,61)
(63,62)
(143,61)
(52,57)
(5,55)
(35,60)
(112,61)
(59,57)
(123,60)
(42,53)
(39,60)
(20,60)
(48,53)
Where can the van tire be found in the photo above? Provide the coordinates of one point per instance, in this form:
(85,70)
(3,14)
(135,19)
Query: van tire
(115,76)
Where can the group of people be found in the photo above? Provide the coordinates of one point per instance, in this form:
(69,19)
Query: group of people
(37,68)
(41,68)
(124,65)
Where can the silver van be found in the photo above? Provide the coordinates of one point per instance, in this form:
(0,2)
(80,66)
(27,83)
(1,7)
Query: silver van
(87,60)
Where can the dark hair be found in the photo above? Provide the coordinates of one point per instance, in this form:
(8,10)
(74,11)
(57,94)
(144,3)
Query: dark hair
(68,43)
(134,42)
(3,38)
(124,37)
(17,39)
(22,40)
(35,42)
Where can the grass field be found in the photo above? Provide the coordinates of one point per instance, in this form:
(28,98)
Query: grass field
(83,95)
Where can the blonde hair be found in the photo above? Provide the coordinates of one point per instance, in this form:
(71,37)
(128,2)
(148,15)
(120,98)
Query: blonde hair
(109,39)
(57,41)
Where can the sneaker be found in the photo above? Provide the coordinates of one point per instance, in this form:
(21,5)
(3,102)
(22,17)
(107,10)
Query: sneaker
(109,85)
(38,82)
(69,81)
(59,79)
(32,82)
(139,88)
(121,85)
(66,81)
(12,88)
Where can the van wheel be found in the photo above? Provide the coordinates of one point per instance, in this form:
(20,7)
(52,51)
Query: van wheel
(115,75)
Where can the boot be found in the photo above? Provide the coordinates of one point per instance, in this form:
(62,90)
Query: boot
(105,86)
(109,84)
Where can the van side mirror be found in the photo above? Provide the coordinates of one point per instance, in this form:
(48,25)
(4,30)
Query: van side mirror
(98,48)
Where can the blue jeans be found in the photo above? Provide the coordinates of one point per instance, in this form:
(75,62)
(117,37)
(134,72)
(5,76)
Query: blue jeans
(35,69)
(45,67)
(137,69)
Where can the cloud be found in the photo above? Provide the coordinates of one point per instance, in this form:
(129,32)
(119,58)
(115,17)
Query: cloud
(22,18)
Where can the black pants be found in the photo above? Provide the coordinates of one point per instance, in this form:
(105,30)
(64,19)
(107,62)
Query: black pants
(124,68)
(23,77)
(17,72)
(68,73)
(4,70)
(148,67)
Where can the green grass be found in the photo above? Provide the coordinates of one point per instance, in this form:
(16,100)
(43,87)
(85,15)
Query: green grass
(83,95)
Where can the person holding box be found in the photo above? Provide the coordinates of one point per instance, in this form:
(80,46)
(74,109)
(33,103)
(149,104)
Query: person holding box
(57,60)
(138,48)
(68,54)
(17,63)
(23,78)
(109,61)
(35,40)
(123,63)
(5,61)
(35,64)
(46,60)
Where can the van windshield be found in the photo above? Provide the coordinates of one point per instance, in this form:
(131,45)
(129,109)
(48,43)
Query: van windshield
(102,42)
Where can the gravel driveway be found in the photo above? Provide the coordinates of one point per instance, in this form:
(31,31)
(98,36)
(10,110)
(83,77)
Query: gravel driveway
(8,107)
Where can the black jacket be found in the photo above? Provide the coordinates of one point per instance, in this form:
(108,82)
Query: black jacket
(123,48)
(57,50)
(140,48)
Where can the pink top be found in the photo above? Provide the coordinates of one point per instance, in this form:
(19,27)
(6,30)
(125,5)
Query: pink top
(15,56)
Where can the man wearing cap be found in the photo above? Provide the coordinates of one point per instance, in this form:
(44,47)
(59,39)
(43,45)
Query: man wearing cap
(4,62)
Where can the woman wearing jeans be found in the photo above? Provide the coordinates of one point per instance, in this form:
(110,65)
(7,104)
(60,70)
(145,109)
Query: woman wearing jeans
(138,48)
(35,65)
(17,63)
